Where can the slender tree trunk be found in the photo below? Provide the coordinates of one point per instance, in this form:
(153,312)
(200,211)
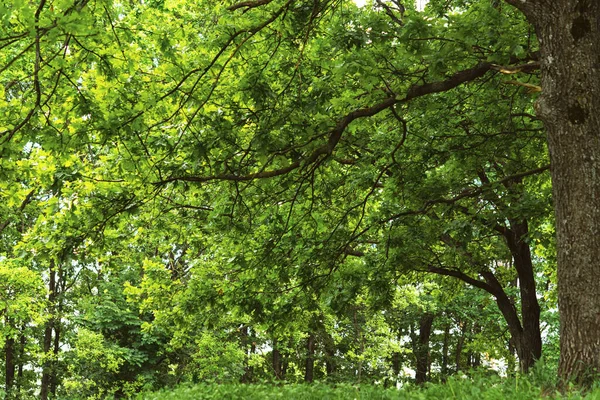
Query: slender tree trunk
(47,368)
(244,345)
(361,342)
(330,366)
(475,356)
(459,346)
(569,35)
(445,346)
(396,363)
(55,351)
(9,367)
(46,373)
(310,358)
(277,367)
(21,360)
(247,343)
(531,338)
(422,348)
(527,346)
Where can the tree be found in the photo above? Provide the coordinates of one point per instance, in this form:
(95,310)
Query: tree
(568,33)
(569,37)
(283,149)
(269,148)
(21,307)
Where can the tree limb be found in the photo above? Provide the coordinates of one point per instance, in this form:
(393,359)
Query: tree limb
(453,81)
(336,133)
(248,4)
(463,277)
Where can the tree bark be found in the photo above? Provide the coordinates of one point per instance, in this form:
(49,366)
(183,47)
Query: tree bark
(310,359)
(422,348)
(55,351)
(530,340)
(511,366)
(569,36)
(396,363)
(9,367)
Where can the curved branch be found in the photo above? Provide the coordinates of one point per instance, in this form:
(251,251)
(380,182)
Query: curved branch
(465,278)
(493,287)
(248,5)
(336,133)
(453,81)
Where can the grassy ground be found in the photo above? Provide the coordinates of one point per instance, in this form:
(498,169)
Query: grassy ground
(478,388)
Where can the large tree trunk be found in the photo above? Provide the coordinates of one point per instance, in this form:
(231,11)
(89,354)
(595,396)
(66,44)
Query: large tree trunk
(569,35)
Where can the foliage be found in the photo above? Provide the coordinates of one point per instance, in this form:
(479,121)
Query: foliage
(204,192)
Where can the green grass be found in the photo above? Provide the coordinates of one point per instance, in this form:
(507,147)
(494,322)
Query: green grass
(478,388)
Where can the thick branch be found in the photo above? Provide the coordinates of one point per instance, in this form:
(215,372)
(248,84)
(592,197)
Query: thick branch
(493,287)
(349,251)
(248,4)
(455,80)
(464,277)
(390,12)
(336,133)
